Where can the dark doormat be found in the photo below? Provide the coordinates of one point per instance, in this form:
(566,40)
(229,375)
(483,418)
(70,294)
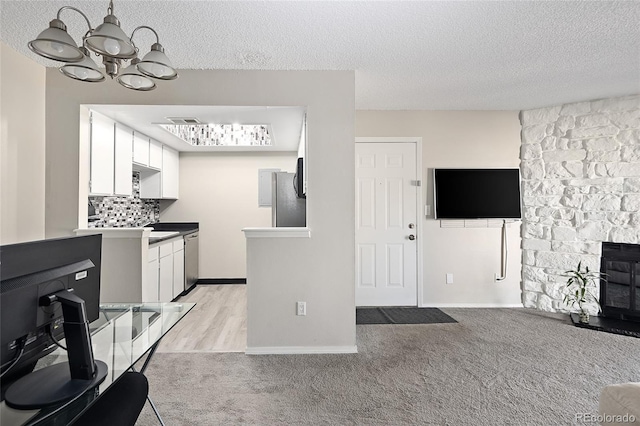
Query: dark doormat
(394,315)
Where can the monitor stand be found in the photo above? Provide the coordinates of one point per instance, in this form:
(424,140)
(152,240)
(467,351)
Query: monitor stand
(61,382)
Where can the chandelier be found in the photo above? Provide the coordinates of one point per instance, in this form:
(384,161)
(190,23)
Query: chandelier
(109,41)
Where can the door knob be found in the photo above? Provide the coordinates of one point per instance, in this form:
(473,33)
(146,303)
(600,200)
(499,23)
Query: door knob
(412,237)
(411,226)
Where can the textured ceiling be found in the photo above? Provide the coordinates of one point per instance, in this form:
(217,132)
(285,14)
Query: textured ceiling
(439,55)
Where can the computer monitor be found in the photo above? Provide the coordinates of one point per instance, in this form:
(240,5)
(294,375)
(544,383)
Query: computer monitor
(49,289)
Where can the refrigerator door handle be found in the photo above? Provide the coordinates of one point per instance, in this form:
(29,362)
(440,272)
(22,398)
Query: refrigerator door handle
(295,184)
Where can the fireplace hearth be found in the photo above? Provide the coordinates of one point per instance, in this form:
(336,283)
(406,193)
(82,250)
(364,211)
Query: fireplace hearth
(609,325)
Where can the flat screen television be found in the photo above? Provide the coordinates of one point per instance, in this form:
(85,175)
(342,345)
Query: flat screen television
(477,193)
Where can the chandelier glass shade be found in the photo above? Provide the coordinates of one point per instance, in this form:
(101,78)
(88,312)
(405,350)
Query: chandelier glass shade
(109,41)
(55,43)
(132,78)
(156,64)
(85,70)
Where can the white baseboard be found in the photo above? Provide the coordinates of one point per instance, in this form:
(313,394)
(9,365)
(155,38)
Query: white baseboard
(290,350)
(472,305)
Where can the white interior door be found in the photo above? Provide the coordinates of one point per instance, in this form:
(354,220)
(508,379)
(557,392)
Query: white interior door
(386,218)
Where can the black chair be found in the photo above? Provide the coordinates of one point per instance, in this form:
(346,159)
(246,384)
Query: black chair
(120,405)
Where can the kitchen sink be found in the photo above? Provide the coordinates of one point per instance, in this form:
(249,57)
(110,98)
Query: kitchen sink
(162,234)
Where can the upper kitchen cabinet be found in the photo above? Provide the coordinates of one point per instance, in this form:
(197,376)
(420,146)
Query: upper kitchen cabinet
(170,167)
(147,152)
(101,172)
(140,149)
(162,184)
(123,167)
(150,184)
(155,154)
(110,169)
(161,181)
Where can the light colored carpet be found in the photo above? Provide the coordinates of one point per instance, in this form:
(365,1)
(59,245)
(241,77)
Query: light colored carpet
(494,367)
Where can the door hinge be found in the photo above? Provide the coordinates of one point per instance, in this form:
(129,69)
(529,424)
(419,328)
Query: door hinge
(416,183)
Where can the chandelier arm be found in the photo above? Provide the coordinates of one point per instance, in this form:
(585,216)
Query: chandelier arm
(148,28)
(77,10)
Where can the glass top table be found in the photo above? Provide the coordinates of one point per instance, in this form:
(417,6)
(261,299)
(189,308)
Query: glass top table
(120,337)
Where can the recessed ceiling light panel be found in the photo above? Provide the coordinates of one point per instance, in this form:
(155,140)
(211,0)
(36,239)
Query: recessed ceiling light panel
(222,134)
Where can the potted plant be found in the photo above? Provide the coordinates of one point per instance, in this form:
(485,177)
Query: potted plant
(580,288)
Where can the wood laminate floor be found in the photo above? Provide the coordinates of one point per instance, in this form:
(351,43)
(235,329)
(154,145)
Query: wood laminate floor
(218,322)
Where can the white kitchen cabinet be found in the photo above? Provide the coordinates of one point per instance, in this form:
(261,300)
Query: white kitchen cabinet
(155,154)
(140,149)
(102,155)
(111,146)
(123,168)
(150,285)
(165,283)
(150,184)
(166,271)
(165,183)
(170,173)
(178,267)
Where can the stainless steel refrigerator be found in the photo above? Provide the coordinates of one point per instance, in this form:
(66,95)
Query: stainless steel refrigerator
(287,209)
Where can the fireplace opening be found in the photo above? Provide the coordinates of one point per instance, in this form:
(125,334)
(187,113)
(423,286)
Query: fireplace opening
(620,287)
(619,291)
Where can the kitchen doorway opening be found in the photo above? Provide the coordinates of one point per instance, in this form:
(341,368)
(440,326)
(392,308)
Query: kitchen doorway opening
(216,185)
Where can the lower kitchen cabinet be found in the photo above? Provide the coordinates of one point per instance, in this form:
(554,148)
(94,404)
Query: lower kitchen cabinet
(150,285)
(137,271)
(166,278)
(178,268)
(166,272)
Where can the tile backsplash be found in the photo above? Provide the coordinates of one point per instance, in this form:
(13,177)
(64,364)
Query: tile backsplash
(124,212)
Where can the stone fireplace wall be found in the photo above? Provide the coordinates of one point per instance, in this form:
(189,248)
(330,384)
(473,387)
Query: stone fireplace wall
(580,166)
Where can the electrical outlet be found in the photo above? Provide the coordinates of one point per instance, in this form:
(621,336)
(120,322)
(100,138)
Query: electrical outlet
(449,278)
(301,308)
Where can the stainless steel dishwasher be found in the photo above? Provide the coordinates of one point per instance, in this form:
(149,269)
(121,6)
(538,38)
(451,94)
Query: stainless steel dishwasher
(190,260)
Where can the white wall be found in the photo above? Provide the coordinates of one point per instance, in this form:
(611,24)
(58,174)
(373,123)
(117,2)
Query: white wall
(319,270)
(220,191)
(465,139)
(22,152)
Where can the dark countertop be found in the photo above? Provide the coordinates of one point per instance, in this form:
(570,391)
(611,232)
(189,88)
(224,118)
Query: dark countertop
(175,226)
(183,228)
